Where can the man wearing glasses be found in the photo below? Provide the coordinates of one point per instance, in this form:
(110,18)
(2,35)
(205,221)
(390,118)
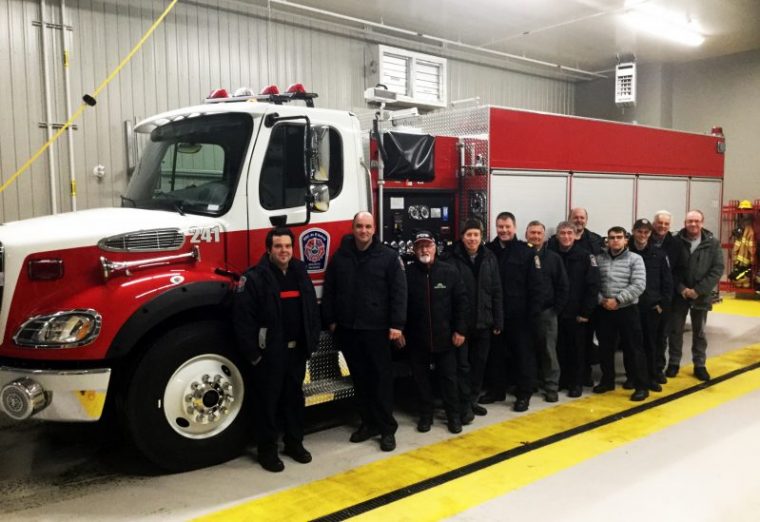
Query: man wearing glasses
(623,280)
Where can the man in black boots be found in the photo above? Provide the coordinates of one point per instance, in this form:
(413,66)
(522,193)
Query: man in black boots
(364,305)
(671,246)
(435,328)
(583,274)
(277,325)
(656,297)
(522,285)
(556,288)
(623,279)
(479,269)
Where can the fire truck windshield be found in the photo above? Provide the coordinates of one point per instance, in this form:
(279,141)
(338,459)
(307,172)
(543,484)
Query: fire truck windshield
(191,165)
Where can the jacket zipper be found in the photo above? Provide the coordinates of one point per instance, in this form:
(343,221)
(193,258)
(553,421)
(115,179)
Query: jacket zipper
(429,311)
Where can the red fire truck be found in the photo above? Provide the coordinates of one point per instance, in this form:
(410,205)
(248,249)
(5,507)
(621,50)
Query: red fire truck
(124,309)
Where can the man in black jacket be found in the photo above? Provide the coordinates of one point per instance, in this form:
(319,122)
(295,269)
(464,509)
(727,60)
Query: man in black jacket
(593,243)
(583,275)
(479,270)
(364,304)
(556,288)
(670,245)
(277,326)
(523,289)
(435,328)
(656,297)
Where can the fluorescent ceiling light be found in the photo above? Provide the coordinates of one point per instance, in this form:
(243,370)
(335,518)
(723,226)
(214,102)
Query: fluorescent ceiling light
(664,24)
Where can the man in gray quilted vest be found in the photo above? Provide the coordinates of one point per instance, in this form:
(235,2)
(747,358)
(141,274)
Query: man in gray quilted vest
(623,279)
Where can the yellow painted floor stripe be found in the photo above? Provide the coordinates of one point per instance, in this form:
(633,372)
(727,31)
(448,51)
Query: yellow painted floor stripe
(337,492)
(474,489)
(743,307)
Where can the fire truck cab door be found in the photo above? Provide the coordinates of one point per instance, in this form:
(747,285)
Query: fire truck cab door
(278,178)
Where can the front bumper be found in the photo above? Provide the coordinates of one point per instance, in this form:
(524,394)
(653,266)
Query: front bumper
(54,395)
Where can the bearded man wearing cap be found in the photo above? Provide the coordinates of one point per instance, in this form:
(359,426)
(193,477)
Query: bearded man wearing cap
(656,297)
(436,324)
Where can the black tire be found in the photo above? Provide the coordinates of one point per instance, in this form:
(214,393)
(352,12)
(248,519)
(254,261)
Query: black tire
(155,405)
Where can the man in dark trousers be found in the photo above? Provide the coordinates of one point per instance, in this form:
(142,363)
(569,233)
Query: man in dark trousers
(556,288)
(522,286)
(479,270)
(364,304)
(671,246)
(277,326)
(435,328)
(701,269)
(656,297)
(591,242)
(583,274)
(623,279)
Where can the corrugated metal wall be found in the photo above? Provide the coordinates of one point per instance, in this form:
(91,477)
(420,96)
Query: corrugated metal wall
(200,46)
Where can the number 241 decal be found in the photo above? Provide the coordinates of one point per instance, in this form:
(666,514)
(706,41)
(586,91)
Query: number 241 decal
(204,234)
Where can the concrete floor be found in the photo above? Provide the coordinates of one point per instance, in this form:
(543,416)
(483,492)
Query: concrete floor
(705,468)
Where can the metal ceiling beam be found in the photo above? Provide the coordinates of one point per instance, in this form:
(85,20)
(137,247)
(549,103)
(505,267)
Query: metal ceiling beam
(444,41)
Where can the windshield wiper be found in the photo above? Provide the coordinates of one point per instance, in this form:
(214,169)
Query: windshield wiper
(178,206)
(176,203)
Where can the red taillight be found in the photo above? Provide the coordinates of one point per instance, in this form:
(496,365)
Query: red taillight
(45,269)
(296,87)
(270,89)
(217,94)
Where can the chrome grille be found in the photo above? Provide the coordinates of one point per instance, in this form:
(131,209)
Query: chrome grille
(144,241)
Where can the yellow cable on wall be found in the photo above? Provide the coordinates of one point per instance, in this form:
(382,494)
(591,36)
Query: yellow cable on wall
(90,100)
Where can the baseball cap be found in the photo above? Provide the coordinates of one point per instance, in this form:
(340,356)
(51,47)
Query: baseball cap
(423,235)
(642,223)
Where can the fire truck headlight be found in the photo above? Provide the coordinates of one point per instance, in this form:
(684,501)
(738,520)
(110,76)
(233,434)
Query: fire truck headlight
(66,329)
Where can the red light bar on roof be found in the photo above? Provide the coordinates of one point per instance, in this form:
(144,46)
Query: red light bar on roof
(217,94)
(269,94)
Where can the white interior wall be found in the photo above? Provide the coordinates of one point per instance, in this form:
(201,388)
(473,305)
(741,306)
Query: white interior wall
(695,97)
(200,46)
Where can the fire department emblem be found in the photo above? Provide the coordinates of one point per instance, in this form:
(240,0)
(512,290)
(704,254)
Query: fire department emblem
(315,244)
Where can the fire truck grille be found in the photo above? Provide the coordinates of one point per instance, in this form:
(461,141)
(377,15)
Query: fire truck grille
(144,241)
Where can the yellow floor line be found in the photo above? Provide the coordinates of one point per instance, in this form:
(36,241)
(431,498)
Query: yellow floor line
(331,494)
(743,307)
(474,489)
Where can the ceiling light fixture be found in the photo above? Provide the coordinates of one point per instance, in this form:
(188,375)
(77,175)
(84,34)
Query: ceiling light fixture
(644,16)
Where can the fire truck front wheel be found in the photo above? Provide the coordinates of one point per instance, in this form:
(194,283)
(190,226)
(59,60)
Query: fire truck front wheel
(184,405)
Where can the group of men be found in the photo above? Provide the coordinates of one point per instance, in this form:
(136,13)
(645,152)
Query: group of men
(483,319)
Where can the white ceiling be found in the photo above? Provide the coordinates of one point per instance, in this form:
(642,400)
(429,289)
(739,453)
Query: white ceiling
(583,34)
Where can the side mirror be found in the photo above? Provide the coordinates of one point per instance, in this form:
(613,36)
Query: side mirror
(320,159)
(320,197)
